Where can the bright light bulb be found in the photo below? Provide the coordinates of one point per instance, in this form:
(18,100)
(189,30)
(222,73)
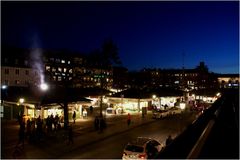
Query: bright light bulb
(44,86)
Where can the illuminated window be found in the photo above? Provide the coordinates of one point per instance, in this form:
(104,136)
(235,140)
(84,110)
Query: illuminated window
(48,68)
(53,69)
(70,70)
(176,82)
(59,69)
(69,62)
(59,78)
(63,61)
(70,78)
(17,82)
(64,70)
(54,78)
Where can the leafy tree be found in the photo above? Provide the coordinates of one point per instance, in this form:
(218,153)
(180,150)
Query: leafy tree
(105,58)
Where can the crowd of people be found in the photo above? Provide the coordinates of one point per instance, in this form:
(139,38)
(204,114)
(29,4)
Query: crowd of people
(36,129)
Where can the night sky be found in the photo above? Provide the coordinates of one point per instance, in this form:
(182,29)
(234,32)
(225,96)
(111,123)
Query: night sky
(148,34)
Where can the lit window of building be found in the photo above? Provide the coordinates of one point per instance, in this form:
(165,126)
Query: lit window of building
(59,78)
(54,78)
(17,82)
(53,69)
(62,61)
(64,70)
(69,62)
(48,68)
(70,70)
(59,69)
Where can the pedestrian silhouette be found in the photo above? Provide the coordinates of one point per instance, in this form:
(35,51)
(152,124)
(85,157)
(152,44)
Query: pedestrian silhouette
(96,123)
(169,140)
(74,117)
(91,109)
(128,119)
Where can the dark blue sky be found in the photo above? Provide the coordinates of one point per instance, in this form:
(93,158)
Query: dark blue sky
(148,34)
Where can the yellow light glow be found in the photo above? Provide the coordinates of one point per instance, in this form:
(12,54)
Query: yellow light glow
(154,96)
(21,100)
(182,105)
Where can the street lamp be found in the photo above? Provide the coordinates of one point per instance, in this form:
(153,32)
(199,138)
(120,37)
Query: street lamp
(154,96)
(44,86)
(4,86)
(21,100)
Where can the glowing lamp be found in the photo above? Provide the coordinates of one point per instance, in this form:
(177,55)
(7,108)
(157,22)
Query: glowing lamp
(182,106)
(44,86)
(21,100)
(4,86)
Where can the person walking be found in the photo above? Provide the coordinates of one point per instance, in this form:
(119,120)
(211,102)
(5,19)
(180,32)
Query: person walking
(74,117)
(128,119)
(169,140)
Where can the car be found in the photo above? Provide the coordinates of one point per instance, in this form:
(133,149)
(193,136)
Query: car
(110,111)
(174,110)
(142,148)
(160,114)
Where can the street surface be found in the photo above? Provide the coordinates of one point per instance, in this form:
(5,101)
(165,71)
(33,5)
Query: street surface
(112,147)
(89,143)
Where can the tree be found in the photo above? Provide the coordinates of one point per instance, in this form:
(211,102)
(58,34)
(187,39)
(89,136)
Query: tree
(105,58)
